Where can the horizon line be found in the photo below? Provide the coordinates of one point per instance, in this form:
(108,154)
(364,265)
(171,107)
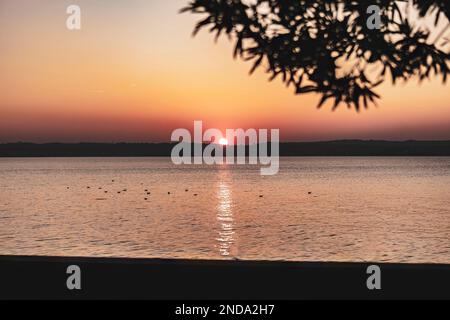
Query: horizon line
(176,142)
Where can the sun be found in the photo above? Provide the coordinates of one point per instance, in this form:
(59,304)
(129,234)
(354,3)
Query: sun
(223,141)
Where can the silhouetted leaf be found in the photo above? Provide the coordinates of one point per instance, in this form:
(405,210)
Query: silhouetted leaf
(307,42)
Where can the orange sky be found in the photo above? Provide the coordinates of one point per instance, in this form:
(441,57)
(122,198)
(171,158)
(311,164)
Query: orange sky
(134,73)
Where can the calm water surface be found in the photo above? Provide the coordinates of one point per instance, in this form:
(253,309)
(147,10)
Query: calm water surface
(359,209)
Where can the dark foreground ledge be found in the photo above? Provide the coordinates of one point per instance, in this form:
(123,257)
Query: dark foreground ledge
(104,278)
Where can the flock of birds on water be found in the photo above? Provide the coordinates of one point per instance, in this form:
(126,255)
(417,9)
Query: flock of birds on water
(148,193)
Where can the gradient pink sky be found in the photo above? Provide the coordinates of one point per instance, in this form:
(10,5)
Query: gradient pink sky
(134,73)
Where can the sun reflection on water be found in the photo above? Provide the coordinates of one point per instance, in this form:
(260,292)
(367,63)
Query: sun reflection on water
(225,217)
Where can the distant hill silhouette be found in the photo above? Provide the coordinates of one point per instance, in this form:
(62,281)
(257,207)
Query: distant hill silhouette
(328,148)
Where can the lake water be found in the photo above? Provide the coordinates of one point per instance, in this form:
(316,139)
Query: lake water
(360,209)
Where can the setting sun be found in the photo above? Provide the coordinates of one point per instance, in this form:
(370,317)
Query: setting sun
(223,141)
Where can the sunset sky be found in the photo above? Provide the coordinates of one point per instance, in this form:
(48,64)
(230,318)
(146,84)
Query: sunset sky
(134,73)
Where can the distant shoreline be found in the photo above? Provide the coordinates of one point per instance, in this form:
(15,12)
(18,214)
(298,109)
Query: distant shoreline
(326,148)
